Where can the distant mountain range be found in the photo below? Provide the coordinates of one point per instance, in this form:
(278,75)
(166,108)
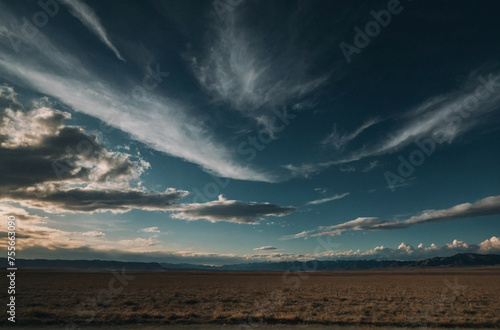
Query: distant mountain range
(458,260)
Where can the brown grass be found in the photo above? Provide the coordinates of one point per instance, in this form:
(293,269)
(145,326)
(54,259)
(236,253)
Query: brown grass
(447,298)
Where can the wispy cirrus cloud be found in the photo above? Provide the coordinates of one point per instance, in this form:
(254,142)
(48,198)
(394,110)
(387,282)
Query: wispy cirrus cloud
(88,17)
(303,234)
(371,166)
(158,121)
(340,141)
(328,199)
(250,73)
(441,118)
(486,206)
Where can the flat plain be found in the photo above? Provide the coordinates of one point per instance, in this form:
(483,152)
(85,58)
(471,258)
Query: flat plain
(400,298)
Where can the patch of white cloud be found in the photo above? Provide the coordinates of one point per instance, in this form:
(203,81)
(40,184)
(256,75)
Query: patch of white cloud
(88,17)
(94,234)
(328,199)
(150,230)
(491,245)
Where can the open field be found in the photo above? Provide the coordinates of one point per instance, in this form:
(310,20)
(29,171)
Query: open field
(446,298)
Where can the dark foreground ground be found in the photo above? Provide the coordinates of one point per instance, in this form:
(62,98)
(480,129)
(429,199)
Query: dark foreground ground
(410,298)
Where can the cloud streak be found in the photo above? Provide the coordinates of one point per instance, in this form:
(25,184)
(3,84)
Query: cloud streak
(441,118)
(230,211)
(88,17)
(486,206)
(265,248)
(339,142)
(328,199)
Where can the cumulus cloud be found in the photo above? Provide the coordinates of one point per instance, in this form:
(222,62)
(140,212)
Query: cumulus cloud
(406,251)
(229,210)
(49,165)
(486,206)
(328,199)
(88,17)
(8,99)
(37,147)
(428,248)
(265,248)
(42,241)
(491,245)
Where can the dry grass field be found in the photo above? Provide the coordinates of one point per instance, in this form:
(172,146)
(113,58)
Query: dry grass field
(415,298)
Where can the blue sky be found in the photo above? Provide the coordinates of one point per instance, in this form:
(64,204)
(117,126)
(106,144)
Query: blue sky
(238,131)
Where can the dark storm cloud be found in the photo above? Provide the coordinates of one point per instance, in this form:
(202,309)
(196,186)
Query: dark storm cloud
(90,200)
(230,211)
(41,161)
(39,148)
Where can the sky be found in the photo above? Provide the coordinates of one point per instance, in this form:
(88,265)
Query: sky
(221,132)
